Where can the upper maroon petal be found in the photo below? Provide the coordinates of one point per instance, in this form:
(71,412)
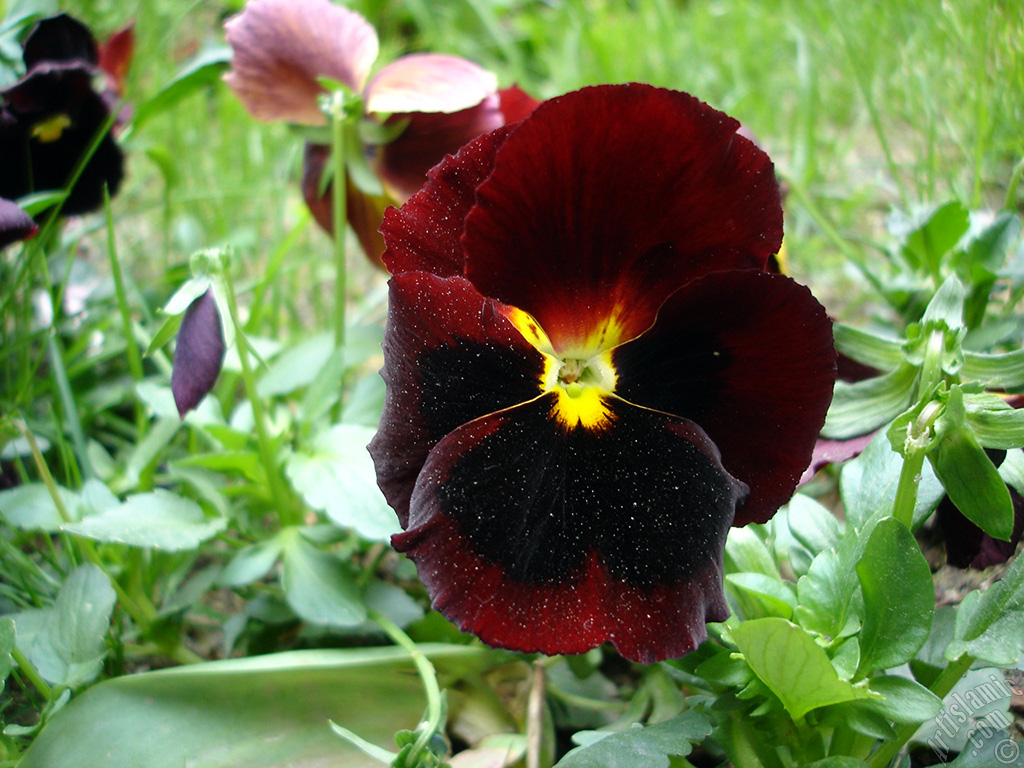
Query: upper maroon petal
(427,138)
(450,357)
(607,199)
(548,540)
(749,357)
(425,234)
(516,104)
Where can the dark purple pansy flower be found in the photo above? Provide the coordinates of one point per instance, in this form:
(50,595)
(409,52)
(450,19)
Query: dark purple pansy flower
(282,48)
(51,116)
(198,355)
(15,224)
(590,375)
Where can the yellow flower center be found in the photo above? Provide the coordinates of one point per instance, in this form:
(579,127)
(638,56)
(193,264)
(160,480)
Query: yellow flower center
(51,129)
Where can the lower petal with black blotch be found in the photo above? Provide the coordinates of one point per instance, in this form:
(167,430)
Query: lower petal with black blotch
(749,357)
(451,355)
(545,539)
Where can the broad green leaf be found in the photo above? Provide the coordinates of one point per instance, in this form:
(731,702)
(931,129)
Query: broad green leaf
(1003,370)
(392,601)
(812,524)
(160,400)
(70,648)
(30,507)
(933,232)
(267,711)
(970,478)
(297,366)
(837,762)
(746,552)
(792,665)
(250,564)
(988,240)
(899,598)
(881,352)
(990,624)
(318,586)
(1012,470)
(639,747)
(902,700)
(994,422)
(337,476)
(868,485)
(946,307)
(159,519)
(826,595)
(865,406)
(759,595)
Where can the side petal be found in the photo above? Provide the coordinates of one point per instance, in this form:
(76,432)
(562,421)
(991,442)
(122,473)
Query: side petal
(60,38)
(282,47)
(198,355)
(15,224)
(749,357)
(451,356)
(429,82)
(607,199)
(545,540)
(402,164)
(516,104)
(425,234)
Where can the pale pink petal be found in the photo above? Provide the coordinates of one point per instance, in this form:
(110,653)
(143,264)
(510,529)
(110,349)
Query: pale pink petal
(282,47)
(429,82)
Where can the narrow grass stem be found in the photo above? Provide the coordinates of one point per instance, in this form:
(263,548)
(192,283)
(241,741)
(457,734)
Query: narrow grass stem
(428,675)
(28,669)
(1010,202)
(287,514)
(70,406)
(339,213)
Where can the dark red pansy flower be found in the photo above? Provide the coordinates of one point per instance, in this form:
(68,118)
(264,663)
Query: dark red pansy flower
(282,50)
(50,117)
(590,374)
(15,224)
(198,354)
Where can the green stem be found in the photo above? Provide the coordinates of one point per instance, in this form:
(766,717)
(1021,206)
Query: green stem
(339,213)
(31,674)
(941,687)
(1010,203)
(67,399)
(428,675)
(287,514)
(131,344)
(919,435)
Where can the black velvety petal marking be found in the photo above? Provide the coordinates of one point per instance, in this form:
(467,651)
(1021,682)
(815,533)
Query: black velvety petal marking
(543,539)
(450,356)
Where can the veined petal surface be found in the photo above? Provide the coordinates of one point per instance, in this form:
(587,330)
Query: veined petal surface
(429,82)
(608,199)
(282,47)
(549,540)
(451,357)
(749,356)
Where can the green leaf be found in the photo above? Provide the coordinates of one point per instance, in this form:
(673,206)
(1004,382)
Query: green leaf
(880,352)
(970,478)
(250,564)
(860,408)
(297,366)
(792,665)
(70,648)
(825,596)
(338,477)
(994,422)
(990,624)
(902,700)
(318,586)
(7,637)
(934,234)
(639,747)
(268,711)
(168,330)
(837,762)
(159,519)
(30,507)
(203,70)
(759,595)
(899,598)
(812,524)
(946,306)
(994,371)
(746,552)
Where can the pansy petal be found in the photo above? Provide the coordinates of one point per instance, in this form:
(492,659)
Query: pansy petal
(451,356)
(281,49)
(516,104)
(428,137)
(749,356)
(429,82)
(425,234)
(60,38)
(198,355)
(15,224)
(547,540)
(116,54)
(608,199)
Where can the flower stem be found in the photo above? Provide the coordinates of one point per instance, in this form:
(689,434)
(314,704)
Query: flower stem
(427,674)
(31,674)
(286,513)
(339,213)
